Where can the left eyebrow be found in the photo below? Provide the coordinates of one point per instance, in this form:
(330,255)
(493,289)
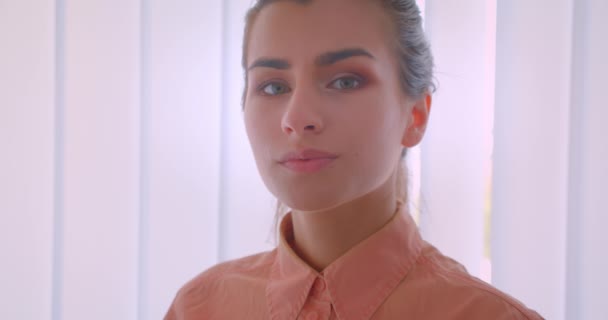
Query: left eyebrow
(332,57)
(323,60)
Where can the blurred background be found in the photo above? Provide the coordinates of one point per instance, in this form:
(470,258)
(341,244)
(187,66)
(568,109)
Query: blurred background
(125,169)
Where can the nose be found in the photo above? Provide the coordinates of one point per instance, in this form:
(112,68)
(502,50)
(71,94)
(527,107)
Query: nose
(302,115)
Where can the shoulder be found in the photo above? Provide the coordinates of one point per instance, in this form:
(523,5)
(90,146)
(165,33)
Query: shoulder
(471,297)
(223,282)
(222,276)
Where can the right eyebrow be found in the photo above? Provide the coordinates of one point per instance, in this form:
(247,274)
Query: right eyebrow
(280,64)
(322,60)
(332,57)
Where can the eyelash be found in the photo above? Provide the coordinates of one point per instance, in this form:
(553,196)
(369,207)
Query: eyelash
(360,82)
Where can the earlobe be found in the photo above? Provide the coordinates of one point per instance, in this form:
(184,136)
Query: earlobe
(418,119)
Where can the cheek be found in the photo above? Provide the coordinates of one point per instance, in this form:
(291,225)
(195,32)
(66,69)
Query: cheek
(373,117)
(261,130)
(249,123)
(254,131)
(374,129)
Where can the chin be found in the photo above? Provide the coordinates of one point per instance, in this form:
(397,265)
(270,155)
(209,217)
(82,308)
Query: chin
(309,193)
(311,202)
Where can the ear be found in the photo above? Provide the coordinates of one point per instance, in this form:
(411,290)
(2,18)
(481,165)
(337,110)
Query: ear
(418,119)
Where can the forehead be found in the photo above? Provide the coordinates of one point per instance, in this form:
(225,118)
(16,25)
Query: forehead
(288,29)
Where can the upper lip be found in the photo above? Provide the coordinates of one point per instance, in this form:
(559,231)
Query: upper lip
(306,154)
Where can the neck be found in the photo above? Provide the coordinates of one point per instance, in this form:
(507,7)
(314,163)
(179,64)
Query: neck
(320,237)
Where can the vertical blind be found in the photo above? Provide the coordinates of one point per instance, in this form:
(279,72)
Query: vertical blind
(126,170)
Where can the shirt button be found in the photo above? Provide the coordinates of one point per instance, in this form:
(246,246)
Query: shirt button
(312,316)
(320,285)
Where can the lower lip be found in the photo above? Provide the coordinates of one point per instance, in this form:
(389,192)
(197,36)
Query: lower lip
(308,166)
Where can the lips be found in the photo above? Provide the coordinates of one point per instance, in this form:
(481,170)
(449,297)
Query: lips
(307,161)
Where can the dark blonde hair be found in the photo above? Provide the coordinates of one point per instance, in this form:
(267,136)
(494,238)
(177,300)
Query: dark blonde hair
(412,51)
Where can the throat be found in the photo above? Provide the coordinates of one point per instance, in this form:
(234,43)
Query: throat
(320,238)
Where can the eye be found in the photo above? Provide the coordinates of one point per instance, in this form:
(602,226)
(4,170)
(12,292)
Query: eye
(274,89)
(346,83)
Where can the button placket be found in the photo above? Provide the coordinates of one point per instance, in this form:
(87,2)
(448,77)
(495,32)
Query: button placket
(312,316)
(319,285)
(318,304)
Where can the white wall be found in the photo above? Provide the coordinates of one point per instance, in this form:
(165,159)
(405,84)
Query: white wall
(27,160)
(125,169)
(180,173)
(456,149)
(533,65)
(587,255)
(247,207)
(100,162)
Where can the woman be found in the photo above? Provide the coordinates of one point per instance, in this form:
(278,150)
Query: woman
(336,91)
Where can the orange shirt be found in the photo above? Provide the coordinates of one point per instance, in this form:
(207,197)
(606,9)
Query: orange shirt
(393,274)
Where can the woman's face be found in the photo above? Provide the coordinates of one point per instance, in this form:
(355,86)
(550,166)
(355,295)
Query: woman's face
(324,110)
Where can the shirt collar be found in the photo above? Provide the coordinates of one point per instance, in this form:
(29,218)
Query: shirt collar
(358,282)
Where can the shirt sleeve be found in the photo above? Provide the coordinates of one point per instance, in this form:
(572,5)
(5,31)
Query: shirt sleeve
(171,313)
